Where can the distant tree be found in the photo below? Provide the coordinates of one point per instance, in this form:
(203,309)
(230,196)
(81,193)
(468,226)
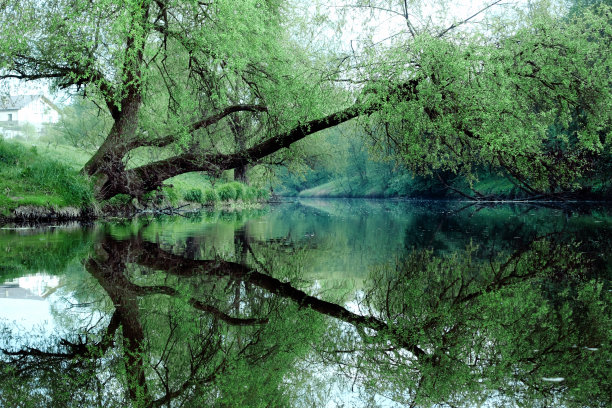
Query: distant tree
(82,125)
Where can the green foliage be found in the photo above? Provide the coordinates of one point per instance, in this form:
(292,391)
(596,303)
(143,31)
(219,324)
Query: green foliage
(27,178)
(226,192)
(170,194)
(10,154)
(194,195)
(118,204)
(484,106)
(528,98)
(239,189)
(484,324)
(262,194)
(210,196)
(82,125)
(166,195)
(250,194)
(50,251)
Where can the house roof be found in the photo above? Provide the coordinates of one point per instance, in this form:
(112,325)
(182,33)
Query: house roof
(19,101)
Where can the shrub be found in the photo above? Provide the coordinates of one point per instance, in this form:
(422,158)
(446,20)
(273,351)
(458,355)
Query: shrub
(210,196)
(170,194)
(239,188)
(226,192)
(250,194)
(10,153)
(119,200)
(262,194)
(193,195)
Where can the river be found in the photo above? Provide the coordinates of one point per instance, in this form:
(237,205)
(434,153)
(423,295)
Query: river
(312,303)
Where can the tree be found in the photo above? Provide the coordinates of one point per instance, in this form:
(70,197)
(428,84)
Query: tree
(175,75)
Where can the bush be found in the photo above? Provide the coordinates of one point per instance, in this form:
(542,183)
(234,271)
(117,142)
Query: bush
(239,188)
(10,153)
(170,195)
(262,194)
(120,200)
(250,194)
(194,195)
(210,196)
(226,192)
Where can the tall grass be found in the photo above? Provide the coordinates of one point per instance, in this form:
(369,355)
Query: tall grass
(210,196)
(194,195)
(226,192)
(27,178)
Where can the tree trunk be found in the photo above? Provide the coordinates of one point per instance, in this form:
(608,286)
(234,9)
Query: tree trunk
(107,165)
(109,270)
(239,130)
(115,179)
(240,174)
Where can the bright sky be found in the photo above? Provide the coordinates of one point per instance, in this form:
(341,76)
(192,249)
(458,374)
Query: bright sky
(385,20)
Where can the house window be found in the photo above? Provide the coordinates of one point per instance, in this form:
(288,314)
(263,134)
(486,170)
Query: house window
(10,117)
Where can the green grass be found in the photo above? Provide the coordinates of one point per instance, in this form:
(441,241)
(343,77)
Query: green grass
(28,178)
(226,192)
(210,196)
(497,186)
(45,174)
(345,187)
(239,189)
(194,195)
(71,156)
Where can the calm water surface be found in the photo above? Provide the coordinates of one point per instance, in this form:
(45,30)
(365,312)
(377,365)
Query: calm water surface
(310,304)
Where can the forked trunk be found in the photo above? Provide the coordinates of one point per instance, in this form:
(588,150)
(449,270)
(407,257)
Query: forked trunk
(107,165)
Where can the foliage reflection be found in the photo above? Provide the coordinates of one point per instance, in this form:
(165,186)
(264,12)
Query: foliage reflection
(528,326)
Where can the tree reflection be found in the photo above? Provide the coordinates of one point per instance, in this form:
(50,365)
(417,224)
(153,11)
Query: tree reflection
(530,327)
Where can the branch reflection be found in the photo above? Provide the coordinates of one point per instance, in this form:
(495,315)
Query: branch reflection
(528,327)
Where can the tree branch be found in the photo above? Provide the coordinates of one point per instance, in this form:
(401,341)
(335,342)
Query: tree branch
(201,124)
(455,25)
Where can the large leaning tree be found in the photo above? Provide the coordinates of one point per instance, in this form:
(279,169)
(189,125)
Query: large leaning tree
(216,85)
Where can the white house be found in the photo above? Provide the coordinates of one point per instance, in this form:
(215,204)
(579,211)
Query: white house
(19,110)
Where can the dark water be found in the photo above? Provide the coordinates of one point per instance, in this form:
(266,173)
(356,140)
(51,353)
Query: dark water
(311,304)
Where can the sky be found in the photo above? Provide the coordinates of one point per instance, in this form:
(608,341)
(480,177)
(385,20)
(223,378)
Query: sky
(362,24)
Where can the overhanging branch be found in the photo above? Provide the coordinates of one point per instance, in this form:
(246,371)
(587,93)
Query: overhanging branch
(201,124)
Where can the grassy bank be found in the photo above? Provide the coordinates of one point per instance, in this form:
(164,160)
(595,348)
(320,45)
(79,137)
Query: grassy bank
(31,182)
(354,187)
(42,181)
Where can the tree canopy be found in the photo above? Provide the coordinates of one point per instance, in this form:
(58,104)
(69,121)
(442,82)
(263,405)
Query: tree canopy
(217,85)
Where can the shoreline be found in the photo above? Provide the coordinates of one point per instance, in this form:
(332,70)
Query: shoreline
(36,215)
(39,214)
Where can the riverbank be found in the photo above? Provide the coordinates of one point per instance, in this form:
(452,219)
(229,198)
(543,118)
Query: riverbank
(489,187)
(37,184)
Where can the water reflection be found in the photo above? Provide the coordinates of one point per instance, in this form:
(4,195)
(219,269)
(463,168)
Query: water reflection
(189,319)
